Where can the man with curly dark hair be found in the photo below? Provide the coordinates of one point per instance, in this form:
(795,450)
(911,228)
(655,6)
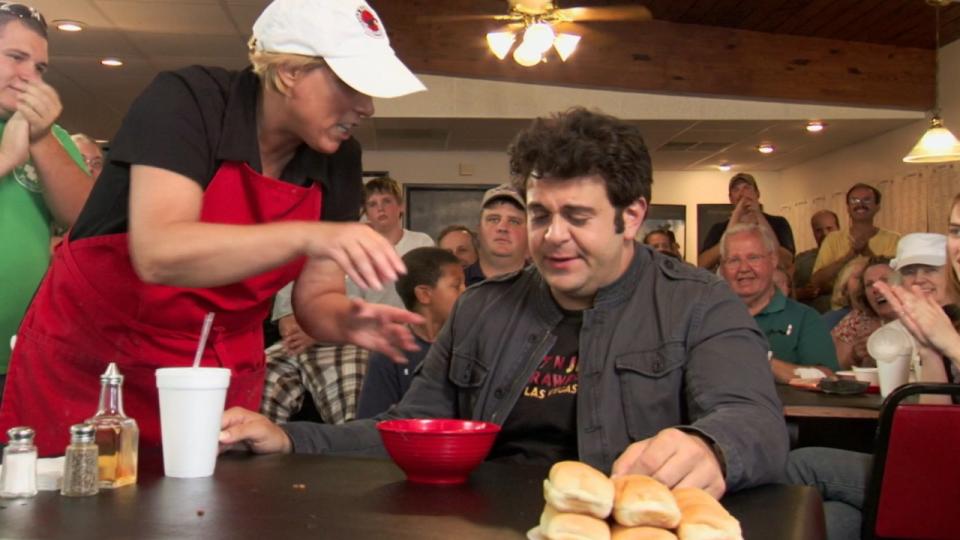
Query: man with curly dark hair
(602,351)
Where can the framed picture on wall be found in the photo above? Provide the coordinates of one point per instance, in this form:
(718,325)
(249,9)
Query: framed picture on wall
(667,217)
(432,207)
(709,215)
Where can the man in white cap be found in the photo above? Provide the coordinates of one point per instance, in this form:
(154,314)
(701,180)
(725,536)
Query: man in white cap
(218,193)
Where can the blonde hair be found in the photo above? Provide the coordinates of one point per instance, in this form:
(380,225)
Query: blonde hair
(953,281)
(267,65)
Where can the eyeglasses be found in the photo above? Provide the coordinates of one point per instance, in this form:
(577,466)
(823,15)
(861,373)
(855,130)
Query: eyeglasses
(23,11)
(752,260)
(864,200)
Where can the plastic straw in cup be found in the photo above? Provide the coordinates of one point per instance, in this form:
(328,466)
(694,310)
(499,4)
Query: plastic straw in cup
(207,323)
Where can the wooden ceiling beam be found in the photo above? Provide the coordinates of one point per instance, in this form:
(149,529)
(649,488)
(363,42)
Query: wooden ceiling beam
(664,57)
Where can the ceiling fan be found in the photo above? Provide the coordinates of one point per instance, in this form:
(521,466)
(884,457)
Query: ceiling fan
(536,20)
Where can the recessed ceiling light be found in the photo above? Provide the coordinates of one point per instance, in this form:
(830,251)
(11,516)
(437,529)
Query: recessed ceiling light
(101,141)
(765,148)
(68,26)
(112,62)
(725,167)
(815,126)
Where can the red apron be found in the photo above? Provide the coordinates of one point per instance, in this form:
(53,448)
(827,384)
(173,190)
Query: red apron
(92,309)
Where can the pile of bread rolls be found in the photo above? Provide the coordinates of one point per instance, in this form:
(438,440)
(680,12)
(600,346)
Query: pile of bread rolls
(580,501)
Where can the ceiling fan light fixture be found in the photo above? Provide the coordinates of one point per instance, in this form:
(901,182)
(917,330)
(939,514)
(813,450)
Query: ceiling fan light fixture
(937,145)
(539,36)
(527,56)
(500,43)
(565,45)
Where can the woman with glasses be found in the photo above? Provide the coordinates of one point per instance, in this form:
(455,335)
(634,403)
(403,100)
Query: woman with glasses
(41,179)
(217,191)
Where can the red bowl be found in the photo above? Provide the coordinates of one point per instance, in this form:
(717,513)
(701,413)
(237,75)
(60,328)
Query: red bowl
(437,450)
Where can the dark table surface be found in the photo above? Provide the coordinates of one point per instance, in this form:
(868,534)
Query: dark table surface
(799,402)
(261,497)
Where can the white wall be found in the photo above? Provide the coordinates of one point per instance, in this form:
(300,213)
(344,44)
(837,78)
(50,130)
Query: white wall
(873,160)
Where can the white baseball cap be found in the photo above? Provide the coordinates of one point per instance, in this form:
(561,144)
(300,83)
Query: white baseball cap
(920,248)
(347,34)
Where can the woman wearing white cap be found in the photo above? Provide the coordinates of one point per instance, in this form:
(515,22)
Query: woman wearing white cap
(841,476)
(211,200)
(922,315)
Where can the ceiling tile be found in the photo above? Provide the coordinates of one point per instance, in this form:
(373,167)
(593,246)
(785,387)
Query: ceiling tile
(193,17)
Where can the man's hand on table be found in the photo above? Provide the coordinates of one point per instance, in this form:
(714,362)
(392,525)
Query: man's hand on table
(252,430)
(677,459)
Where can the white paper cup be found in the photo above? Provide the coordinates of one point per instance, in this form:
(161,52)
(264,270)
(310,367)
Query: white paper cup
(191,407)
(893,371)
(866,374)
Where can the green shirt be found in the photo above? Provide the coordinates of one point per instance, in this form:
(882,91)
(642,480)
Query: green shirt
(25,240)
(796,333)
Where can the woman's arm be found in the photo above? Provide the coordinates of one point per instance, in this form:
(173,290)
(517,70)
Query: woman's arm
(170,246)
(328,315)
(932,371)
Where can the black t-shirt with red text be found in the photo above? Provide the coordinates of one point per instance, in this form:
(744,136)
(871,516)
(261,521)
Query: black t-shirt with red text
(542,427)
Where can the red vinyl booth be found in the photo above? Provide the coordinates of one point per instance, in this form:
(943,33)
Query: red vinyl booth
(914,489)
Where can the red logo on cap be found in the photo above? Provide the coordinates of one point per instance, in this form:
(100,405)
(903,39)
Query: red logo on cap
(371,25)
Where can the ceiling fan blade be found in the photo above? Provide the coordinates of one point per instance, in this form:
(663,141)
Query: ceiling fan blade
(461,18)
(609,13)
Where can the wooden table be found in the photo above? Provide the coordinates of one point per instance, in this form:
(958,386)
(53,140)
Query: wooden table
(806,403)
(261,497)
(818,419)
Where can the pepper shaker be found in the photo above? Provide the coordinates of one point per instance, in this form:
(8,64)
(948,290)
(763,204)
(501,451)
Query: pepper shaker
(80,475)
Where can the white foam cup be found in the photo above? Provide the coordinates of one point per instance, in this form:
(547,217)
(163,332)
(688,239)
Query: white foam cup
(191,407)
(893,371)
(892,347)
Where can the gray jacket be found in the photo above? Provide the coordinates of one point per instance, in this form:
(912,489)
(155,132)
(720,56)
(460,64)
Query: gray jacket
(666,345)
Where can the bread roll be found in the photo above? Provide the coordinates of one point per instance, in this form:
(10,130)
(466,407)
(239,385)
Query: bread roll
(620,532)
(644,501)
(577,487)
(555,525)
(703,517)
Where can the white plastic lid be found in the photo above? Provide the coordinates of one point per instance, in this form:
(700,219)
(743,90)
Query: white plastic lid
(189,378)
(888,343)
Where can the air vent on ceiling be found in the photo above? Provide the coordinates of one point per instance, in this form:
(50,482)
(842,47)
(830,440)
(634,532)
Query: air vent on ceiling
(712,146)
(694,146)
(677,146)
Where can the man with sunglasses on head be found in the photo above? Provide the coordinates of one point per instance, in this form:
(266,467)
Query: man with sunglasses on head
(42,182)
(862,240)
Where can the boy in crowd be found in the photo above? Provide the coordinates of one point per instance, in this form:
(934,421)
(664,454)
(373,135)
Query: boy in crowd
(433,282)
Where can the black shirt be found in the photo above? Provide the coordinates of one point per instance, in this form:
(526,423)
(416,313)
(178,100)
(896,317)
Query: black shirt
(386,381)
(191,120)
(779,224)
(473,274)
(542,427)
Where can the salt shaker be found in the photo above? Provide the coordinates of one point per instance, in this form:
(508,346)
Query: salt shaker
(19,475)
(80,476)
